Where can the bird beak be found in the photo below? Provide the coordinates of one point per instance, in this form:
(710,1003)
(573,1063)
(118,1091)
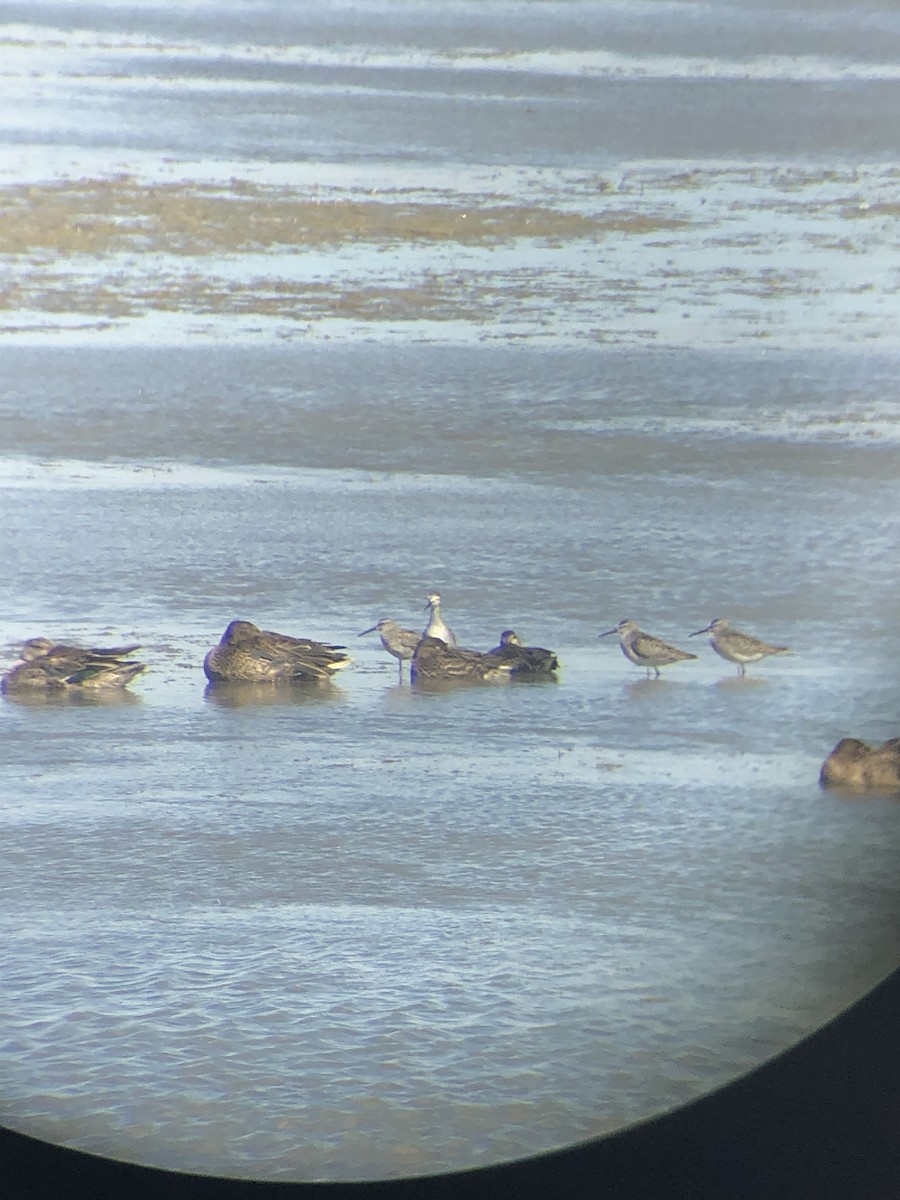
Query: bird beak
(365,631)
(607,632)
(699,631)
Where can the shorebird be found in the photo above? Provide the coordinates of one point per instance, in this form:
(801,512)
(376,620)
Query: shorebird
(396,640)
(526,660)
(855,764)
(247,654)
(436,662)
(436,627)
(644,650)
(48,667)
(737,647)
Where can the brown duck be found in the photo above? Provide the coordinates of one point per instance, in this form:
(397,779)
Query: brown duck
(855,764)
(45,666)
(436,662)
(247,654)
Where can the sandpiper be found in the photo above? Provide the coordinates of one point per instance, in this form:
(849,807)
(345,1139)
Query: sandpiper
(436,627)
(396,640)
(737,647)
(644,650)
(45,666)
(526,660)
(436,662)
(247,654)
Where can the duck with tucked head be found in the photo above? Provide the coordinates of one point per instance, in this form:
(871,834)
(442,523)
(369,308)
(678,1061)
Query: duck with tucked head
(436,662)
(247,654)
(857,765)
(39,646)
(526,660)
(51,667)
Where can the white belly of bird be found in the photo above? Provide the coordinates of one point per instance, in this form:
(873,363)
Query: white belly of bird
(737,653)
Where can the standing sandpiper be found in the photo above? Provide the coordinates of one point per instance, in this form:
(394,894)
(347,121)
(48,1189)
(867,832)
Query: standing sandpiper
(644,650)
(737,647)
(396,640)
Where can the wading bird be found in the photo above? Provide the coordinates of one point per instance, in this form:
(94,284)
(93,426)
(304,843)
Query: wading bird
(437,627)
(644,650)
(396,640)
(737,647)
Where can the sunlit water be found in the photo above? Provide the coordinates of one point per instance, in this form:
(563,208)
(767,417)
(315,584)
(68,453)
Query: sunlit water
(361,931)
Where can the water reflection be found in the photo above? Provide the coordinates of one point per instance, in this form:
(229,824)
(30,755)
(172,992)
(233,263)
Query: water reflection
(244,695)
(854,795)
(114,698)
(398,693)
(738,683)
(455,685)
(648,686)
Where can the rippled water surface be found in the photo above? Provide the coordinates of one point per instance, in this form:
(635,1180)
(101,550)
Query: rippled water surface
(570,313)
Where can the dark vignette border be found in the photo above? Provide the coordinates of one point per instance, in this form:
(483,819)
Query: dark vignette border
(819,1122)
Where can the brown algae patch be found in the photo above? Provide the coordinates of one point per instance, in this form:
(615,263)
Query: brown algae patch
(114,250)
(433,297)
(120,215)
(889,209)
(64,244)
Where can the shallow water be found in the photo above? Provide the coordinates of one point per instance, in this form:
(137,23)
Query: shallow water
(362,931)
